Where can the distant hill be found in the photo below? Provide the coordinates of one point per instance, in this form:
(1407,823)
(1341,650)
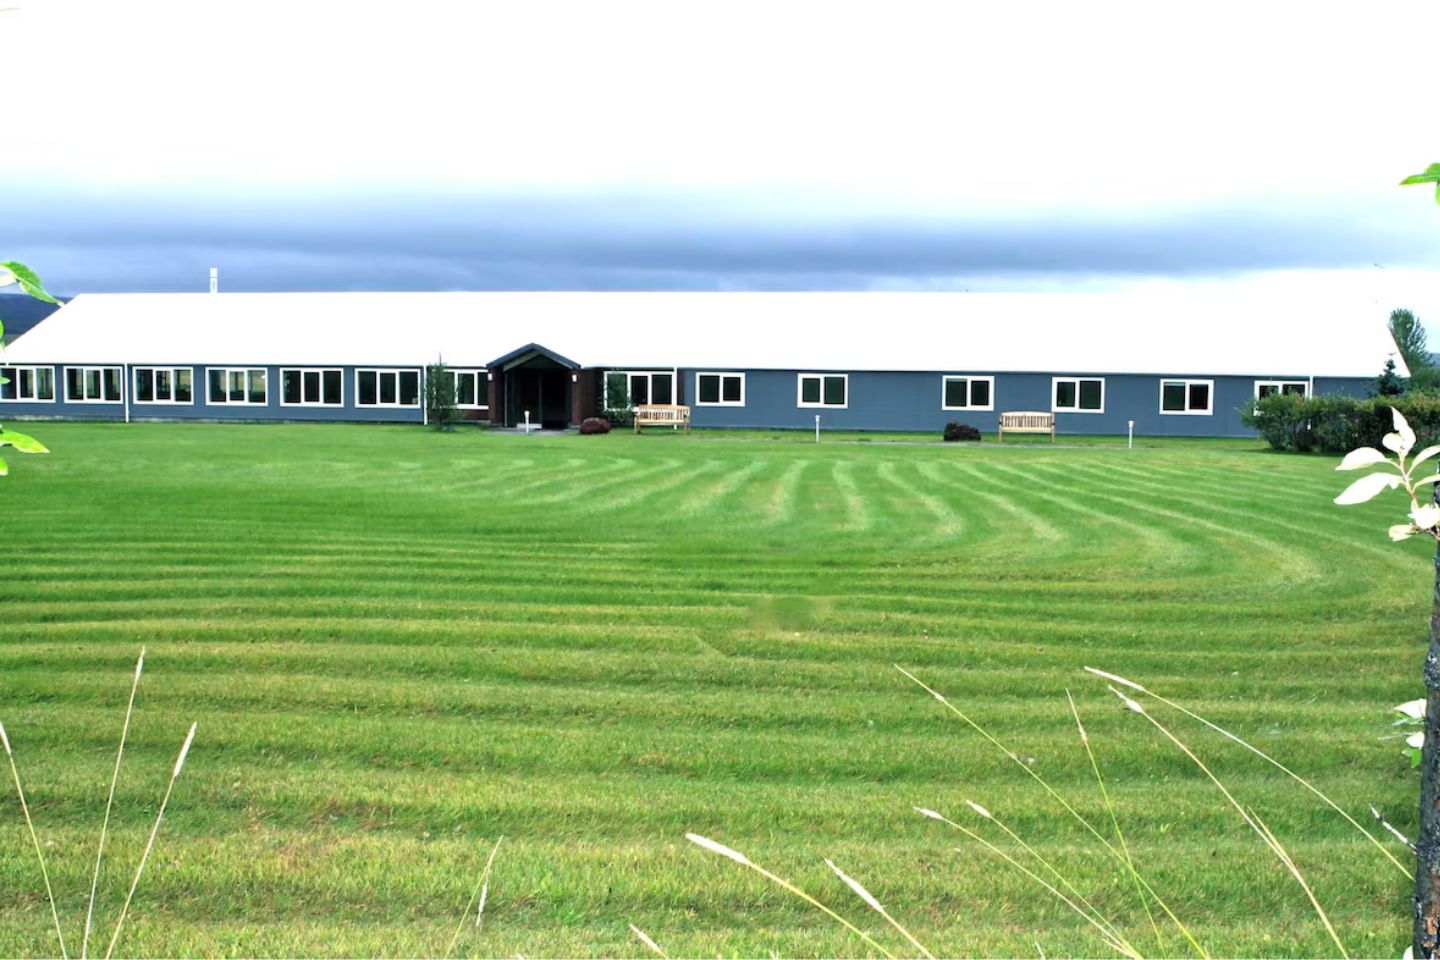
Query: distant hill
(20,313)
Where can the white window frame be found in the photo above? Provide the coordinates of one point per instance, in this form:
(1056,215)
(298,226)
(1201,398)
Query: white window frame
(945,383)
(312,403)
(396,371)
(482,387)
(247,402)
(673,373)
(722,402)
(1055,395)
(32,367)
(1280,385)
(1188,383)
(102,367)
(800,379)
(135,391)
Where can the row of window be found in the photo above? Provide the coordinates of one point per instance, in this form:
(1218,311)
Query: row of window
(1068,394)
(324,387)
(299,387)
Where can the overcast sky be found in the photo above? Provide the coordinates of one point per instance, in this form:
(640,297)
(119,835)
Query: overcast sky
(678,145)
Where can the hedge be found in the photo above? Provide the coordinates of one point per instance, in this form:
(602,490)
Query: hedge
(1338,424)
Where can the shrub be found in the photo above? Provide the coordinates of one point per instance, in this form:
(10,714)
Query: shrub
(594,425)
(961,431)
(441,410)
(1333,423)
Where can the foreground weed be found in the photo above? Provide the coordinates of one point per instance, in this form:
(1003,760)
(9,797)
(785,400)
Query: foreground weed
(482,890)
(1115,823)
(149,844)
(1132,685)
(104,827)
(1247,815)
(40,856)
(645,939)
(1075,814)
(745,861)
(110,803)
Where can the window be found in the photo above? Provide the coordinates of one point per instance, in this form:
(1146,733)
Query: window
(632,388)
(92,384)
(823,390)
(1263,388)
(968,393)
(387,388)
(1078,395)
(1186,396)
(720,389)
(164,385)
(472,389)
(28,383)
(238,385)
(312,388)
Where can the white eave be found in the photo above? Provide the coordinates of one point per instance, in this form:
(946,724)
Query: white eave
(954,332)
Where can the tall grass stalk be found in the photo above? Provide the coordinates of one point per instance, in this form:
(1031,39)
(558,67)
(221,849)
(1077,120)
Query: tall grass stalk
(149,844)
(1407,872)
(1078,817)
(1092,920)
(109,803)
(482,889)
(869,898)
(1115,822)
(1269,838)
(25,808)
(1040,859)
(745,861)
(645,939)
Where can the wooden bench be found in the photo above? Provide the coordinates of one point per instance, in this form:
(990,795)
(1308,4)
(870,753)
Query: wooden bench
(1027,421)
(662,415)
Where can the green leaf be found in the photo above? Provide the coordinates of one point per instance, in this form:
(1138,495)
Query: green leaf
(29,280)
(22,442)
(1431,175)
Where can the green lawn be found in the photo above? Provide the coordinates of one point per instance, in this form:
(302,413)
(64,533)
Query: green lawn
(400,645)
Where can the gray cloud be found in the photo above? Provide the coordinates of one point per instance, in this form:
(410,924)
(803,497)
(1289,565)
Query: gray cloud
(649,240)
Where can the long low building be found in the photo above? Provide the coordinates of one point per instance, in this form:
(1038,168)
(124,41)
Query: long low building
(858,361)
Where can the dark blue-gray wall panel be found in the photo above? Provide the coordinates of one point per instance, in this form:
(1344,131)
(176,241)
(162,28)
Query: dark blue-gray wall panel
(913,401)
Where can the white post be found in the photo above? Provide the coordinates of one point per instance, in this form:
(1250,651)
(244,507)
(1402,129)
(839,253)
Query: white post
(817,428)
(527,423)
(1130,441)
(424,407)
(125,388)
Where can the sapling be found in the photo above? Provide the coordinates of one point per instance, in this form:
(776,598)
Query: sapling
(1424,521)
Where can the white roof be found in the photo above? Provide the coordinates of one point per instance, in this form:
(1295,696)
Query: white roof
(958,332)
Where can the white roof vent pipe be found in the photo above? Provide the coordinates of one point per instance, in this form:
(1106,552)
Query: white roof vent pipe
(214,279)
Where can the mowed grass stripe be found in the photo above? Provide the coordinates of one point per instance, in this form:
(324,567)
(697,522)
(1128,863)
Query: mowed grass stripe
(592,645)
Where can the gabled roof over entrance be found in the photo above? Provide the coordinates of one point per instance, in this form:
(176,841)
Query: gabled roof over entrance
(532,355)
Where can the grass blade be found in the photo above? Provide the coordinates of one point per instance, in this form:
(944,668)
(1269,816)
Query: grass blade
(482,887)
(25,808)
(1075,814)
(1408,872)
(869,898)
(745,861)
(648,942)
(109,803)
(1097,924)
(149,844)
(1115,822)
(1264,832)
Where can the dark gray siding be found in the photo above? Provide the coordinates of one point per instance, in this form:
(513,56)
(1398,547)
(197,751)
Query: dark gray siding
(913,401)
